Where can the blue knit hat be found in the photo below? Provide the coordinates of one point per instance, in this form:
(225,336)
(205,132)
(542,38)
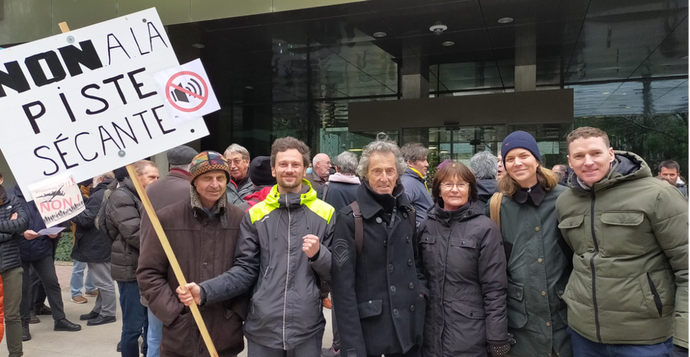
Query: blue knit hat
(520,140)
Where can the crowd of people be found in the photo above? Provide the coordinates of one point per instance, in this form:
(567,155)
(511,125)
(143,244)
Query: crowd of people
(502,258)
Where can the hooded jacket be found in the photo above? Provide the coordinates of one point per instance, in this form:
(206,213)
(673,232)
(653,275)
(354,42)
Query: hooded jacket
(286,307)
(417,194)
(629,233)
(378,295)
(37,248)
(123,218)
(342,190)
(485,189)
(11,230)
(90,244)
(463,258)
(236,191)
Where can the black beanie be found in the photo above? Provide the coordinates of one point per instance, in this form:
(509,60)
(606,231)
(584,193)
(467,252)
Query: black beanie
(260,171)
(520,140)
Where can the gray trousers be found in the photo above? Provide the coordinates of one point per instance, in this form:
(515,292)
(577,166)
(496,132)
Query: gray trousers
(310,347)
(106,302)
(12,286)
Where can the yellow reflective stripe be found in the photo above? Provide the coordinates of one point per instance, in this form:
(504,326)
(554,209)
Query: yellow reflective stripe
(260,210)
(321,208)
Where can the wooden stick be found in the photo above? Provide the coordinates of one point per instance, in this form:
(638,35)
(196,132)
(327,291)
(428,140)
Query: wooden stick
(171,257)
(166,246)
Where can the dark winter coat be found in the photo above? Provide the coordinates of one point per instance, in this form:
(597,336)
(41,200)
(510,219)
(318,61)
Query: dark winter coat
(204,249)
(90,244)
(172,188)
(37,248)
(339,194)
(315,180)
(11,230)
(416,193)
(379,295)
(286,306)
(238,190)
(485,189)
(463,258)
(538,271)
(123,218)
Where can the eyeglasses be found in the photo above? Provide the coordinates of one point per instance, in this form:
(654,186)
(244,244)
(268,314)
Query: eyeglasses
(449,186)
(237,162)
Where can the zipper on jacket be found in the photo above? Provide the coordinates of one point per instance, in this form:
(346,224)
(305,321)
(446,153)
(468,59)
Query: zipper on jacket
(594,274)
(287,275)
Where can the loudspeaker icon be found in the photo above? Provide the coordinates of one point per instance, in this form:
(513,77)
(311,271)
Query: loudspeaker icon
(193,87)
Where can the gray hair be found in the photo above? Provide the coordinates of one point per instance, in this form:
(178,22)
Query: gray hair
(382,145)
(347,163)
(414,152)
(319,158)
(483,165)
(237,149)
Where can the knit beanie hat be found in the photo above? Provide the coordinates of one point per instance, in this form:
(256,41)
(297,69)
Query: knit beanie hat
(208,161)
(260,171)
(520,140)
(181,155)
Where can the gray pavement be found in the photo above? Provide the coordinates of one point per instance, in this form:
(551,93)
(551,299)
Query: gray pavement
(91,340)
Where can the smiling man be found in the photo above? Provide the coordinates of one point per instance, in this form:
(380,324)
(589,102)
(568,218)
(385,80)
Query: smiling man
(240,184)
(282,254)
(628,292)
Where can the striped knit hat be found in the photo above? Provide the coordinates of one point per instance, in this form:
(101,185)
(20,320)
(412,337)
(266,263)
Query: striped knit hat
(208,161)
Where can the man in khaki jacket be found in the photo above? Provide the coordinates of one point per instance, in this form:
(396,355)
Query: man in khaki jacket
(628,292)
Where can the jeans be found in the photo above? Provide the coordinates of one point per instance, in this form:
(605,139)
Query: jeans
(310,347)
(45,270)
(12,286)
(106,301)
(583,347)
(134,319)
(155,333)
(76,284)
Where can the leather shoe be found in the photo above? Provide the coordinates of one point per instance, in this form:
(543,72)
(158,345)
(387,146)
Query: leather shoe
(90,316)
(65,325)
(101,320)
(43,310)
(118,347)
(34,319)
(26,335)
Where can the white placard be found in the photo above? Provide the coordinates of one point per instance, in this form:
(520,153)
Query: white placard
(188,92)
(85,102)
(58,199)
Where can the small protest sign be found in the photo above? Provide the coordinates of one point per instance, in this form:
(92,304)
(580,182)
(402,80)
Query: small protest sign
(188,92)
(58,199)
(86,101)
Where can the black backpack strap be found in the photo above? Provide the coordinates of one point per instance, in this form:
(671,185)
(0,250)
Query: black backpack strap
(359,227)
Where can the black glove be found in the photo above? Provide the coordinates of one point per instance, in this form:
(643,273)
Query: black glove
(499,349)
(679,351)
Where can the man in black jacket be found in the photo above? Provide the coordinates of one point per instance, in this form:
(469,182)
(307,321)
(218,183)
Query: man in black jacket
(13,222)
(378,291)
(93,247)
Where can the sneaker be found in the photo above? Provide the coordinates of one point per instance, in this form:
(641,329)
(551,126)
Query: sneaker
(34,319)
(327,303)
(43,310)
(329,352)
(26,335)
(65,325)
(78,299)
(91,293)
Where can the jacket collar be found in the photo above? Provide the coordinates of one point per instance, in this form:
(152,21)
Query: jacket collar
(370,204)
(338,177)
(534,195)
(410,172)
(218,209)
(467,211)
(291,200)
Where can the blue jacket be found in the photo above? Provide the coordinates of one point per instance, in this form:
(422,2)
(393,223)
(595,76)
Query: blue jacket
(41,247)
(417,194)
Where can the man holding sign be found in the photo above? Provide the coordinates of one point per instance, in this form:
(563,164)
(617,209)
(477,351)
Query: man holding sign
(283,255)
(203,233)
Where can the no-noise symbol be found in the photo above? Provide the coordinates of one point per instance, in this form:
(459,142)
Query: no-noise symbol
(186,91)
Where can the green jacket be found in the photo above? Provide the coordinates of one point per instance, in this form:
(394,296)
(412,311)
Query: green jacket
(629,234)
(538,270)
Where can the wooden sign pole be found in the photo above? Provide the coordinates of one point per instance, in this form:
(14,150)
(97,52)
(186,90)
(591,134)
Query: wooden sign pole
(166,246)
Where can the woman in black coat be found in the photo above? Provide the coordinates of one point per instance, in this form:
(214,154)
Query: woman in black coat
(463,257)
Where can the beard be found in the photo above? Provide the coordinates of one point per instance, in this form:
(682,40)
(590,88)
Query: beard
(282,183)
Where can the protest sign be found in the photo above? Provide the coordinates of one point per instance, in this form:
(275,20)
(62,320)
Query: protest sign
(188,91)
(86,102)
(58,199)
